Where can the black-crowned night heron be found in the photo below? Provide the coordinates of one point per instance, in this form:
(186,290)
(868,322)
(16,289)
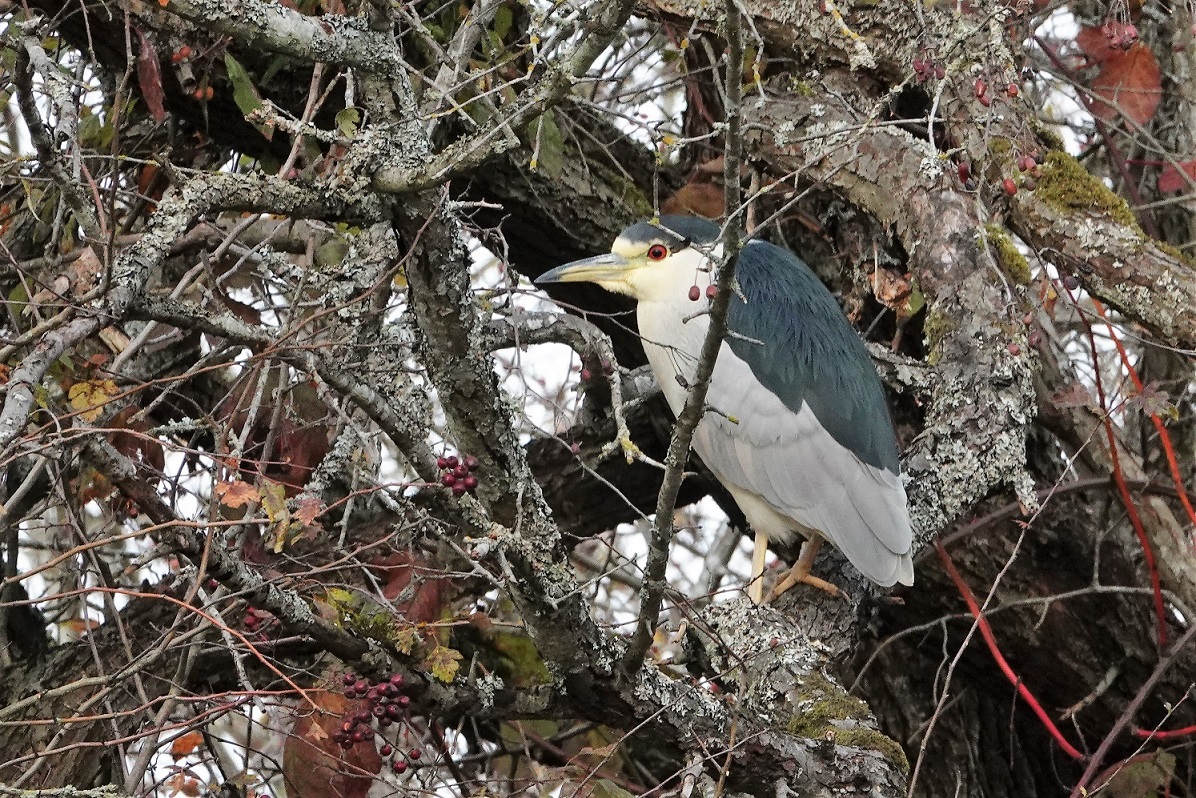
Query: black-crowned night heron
(798,430)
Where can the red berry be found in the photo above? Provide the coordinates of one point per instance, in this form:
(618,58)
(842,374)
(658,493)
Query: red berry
(980,87)
(449,480)
(359,736)
(1070,282)
(404,700)
(1012,90)
(386,750)
(461,470)
(399,766)
(393,711)
(385,721)
(442,463)
(1014,349)
(347,727)
(470,482)
(450,462)
(1009,186)
(415,753)
(349,679)
(985,100)
(695,293)
(344,742)
(472,464)
(964,169)
(711,291)
(459,490)
(379,710)
(586,375)
(940,71)
(361,686)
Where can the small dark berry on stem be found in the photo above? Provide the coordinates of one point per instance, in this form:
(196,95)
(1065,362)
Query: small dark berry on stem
(1009,186)
(711,291)
(695,293)
(449,480)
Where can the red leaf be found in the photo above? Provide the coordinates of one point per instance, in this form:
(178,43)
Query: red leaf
(1171,179)
(1131,83)
(149,77)
(1096,45)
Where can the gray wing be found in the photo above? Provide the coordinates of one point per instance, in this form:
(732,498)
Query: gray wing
(800,470)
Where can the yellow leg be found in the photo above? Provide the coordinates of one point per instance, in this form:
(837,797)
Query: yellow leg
(800,572)
(759,553)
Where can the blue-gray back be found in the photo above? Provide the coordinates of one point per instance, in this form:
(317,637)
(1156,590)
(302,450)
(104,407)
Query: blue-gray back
(802,348)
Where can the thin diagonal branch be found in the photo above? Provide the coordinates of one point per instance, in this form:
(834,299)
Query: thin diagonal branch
(695,402)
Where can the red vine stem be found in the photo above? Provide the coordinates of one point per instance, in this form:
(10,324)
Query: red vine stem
(1122,489)
(987,633)
(1165,734)
(1164,437)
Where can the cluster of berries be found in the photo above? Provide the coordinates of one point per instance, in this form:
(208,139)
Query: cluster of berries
(385,704)
(458,473)
(695,293)
(924,69)
(1028,164)
(1121,35)
(980,89)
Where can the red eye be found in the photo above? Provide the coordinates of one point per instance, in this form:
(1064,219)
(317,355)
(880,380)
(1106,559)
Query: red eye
(658,252)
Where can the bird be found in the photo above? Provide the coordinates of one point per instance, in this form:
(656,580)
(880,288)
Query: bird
(797,428)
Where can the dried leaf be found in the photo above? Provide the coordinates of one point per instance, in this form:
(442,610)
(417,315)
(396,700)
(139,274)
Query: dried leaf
(407,639)
(149,78)
(236,493)
(1074,395)
(1153,401)
(308,509)
(90,396)
(186,744)
(1129,83)
(443,663)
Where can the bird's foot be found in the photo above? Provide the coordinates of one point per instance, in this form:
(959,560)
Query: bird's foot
(799,574)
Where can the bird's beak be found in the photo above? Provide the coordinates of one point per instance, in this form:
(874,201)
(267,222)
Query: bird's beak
(610,268)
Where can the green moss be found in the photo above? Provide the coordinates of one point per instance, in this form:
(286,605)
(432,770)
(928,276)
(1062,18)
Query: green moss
(801,87)
(823,704)
(1051,139)
(1000,146)
(1010,258)
(1176,253)
(874,741)
(521,664)
(1068,186)
(935,328)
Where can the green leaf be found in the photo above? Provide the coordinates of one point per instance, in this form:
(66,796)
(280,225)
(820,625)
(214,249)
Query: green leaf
(347,120)
(504,17)
(245,94)
(548,145)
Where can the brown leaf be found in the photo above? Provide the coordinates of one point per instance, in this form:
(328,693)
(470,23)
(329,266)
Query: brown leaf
(422,590)
(1129,83)
(312,762)
(236,493)
(149,78)
(186,744)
